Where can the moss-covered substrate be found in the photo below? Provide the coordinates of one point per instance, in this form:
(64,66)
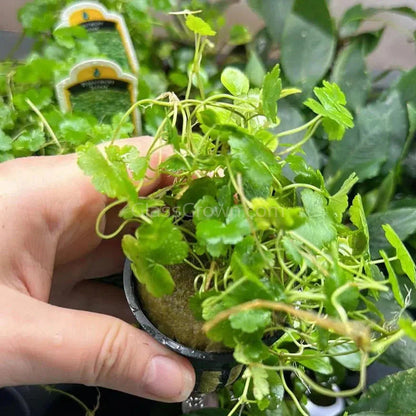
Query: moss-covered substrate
(172,316)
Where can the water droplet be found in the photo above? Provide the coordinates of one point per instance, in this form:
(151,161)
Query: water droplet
(85,16)
(97,73)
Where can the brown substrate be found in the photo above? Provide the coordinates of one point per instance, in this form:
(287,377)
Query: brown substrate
(172,315)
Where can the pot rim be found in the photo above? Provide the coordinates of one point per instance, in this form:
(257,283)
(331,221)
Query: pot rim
(130,289)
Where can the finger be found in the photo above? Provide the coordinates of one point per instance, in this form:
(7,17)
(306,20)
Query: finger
(96,297)
(87,348)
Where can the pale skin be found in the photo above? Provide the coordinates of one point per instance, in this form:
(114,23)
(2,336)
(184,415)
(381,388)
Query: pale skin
(58,325)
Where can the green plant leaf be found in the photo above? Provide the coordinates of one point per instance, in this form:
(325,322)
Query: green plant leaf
(319,227)
(351,74)
(379,133)
(331,106)
(402,220)
(407,326)
(7,116)
(161,241)
(347,355)
(30,141)
(199,26)
(35,71)
(272,86)
(235,81)
(361,237)
(274,14)
(394,283)
(216,235)
(403,255)
(68,36)
(269,213)
(40,97)
(338,202)
(311,359)
(239,35)
(255,69)
(260,384)
(109,178)
(308,43)
(386,396)
(250,321)
(255,162)
(5,142)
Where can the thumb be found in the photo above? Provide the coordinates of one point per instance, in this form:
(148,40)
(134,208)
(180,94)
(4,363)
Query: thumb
(46,344)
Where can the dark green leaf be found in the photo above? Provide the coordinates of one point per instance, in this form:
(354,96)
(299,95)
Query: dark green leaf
(402,220)
(347,355)
(338,202)
(387,395)
(308,43)
(393,280)
(274,14)
(351,74)
(30,141)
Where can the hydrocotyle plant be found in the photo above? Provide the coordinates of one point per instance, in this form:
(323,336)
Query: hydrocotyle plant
(272,251)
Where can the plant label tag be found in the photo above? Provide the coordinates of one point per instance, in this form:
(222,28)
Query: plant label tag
(101,88)
(108,29)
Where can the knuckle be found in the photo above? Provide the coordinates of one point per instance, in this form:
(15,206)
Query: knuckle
(110,358)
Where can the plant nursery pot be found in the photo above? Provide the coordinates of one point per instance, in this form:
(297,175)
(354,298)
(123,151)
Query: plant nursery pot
(212,369)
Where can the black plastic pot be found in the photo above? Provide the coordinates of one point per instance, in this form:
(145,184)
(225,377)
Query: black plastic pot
(213,370)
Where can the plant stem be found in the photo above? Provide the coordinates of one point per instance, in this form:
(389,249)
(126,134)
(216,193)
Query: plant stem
(45,123)
(357,331)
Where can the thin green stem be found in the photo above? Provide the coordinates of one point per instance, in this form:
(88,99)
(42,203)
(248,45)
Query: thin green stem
(45,123)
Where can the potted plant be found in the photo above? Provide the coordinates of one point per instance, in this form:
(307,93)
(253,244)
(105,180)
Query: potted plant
(236,209)
(251,234)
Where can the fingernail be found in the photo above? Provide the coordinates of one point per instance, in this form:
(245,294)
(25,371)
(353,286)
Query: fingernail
(167,380)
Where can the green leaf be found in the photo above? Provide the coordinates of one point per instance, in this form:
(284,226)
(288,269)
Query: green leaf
(319,227)
(250,321)
(272,86)
(130,156)
(331,106)
(35,71)
(351,20)
(239,35)
(269,213)
(387,395)
(357,217)
(347,355)
(394,283)
(260,384)
(379,134)
(351,74)
(406,86)
(38,17)
(308,43)
(402,220)
(40,97)
(311,359)
(235,81)
(30,141)
(68,36)
(7,116)
(161,241)
(403,255)
(154,276)
(408,328)
(75,130)
(199,26)
(274,14)
(5,142)
(256,163)
(255,69)
(109,178)
(216,235)
(338,202)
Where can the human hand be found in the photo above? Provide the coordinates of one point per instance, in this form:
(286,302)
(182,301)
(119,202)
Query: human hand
(49,252)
